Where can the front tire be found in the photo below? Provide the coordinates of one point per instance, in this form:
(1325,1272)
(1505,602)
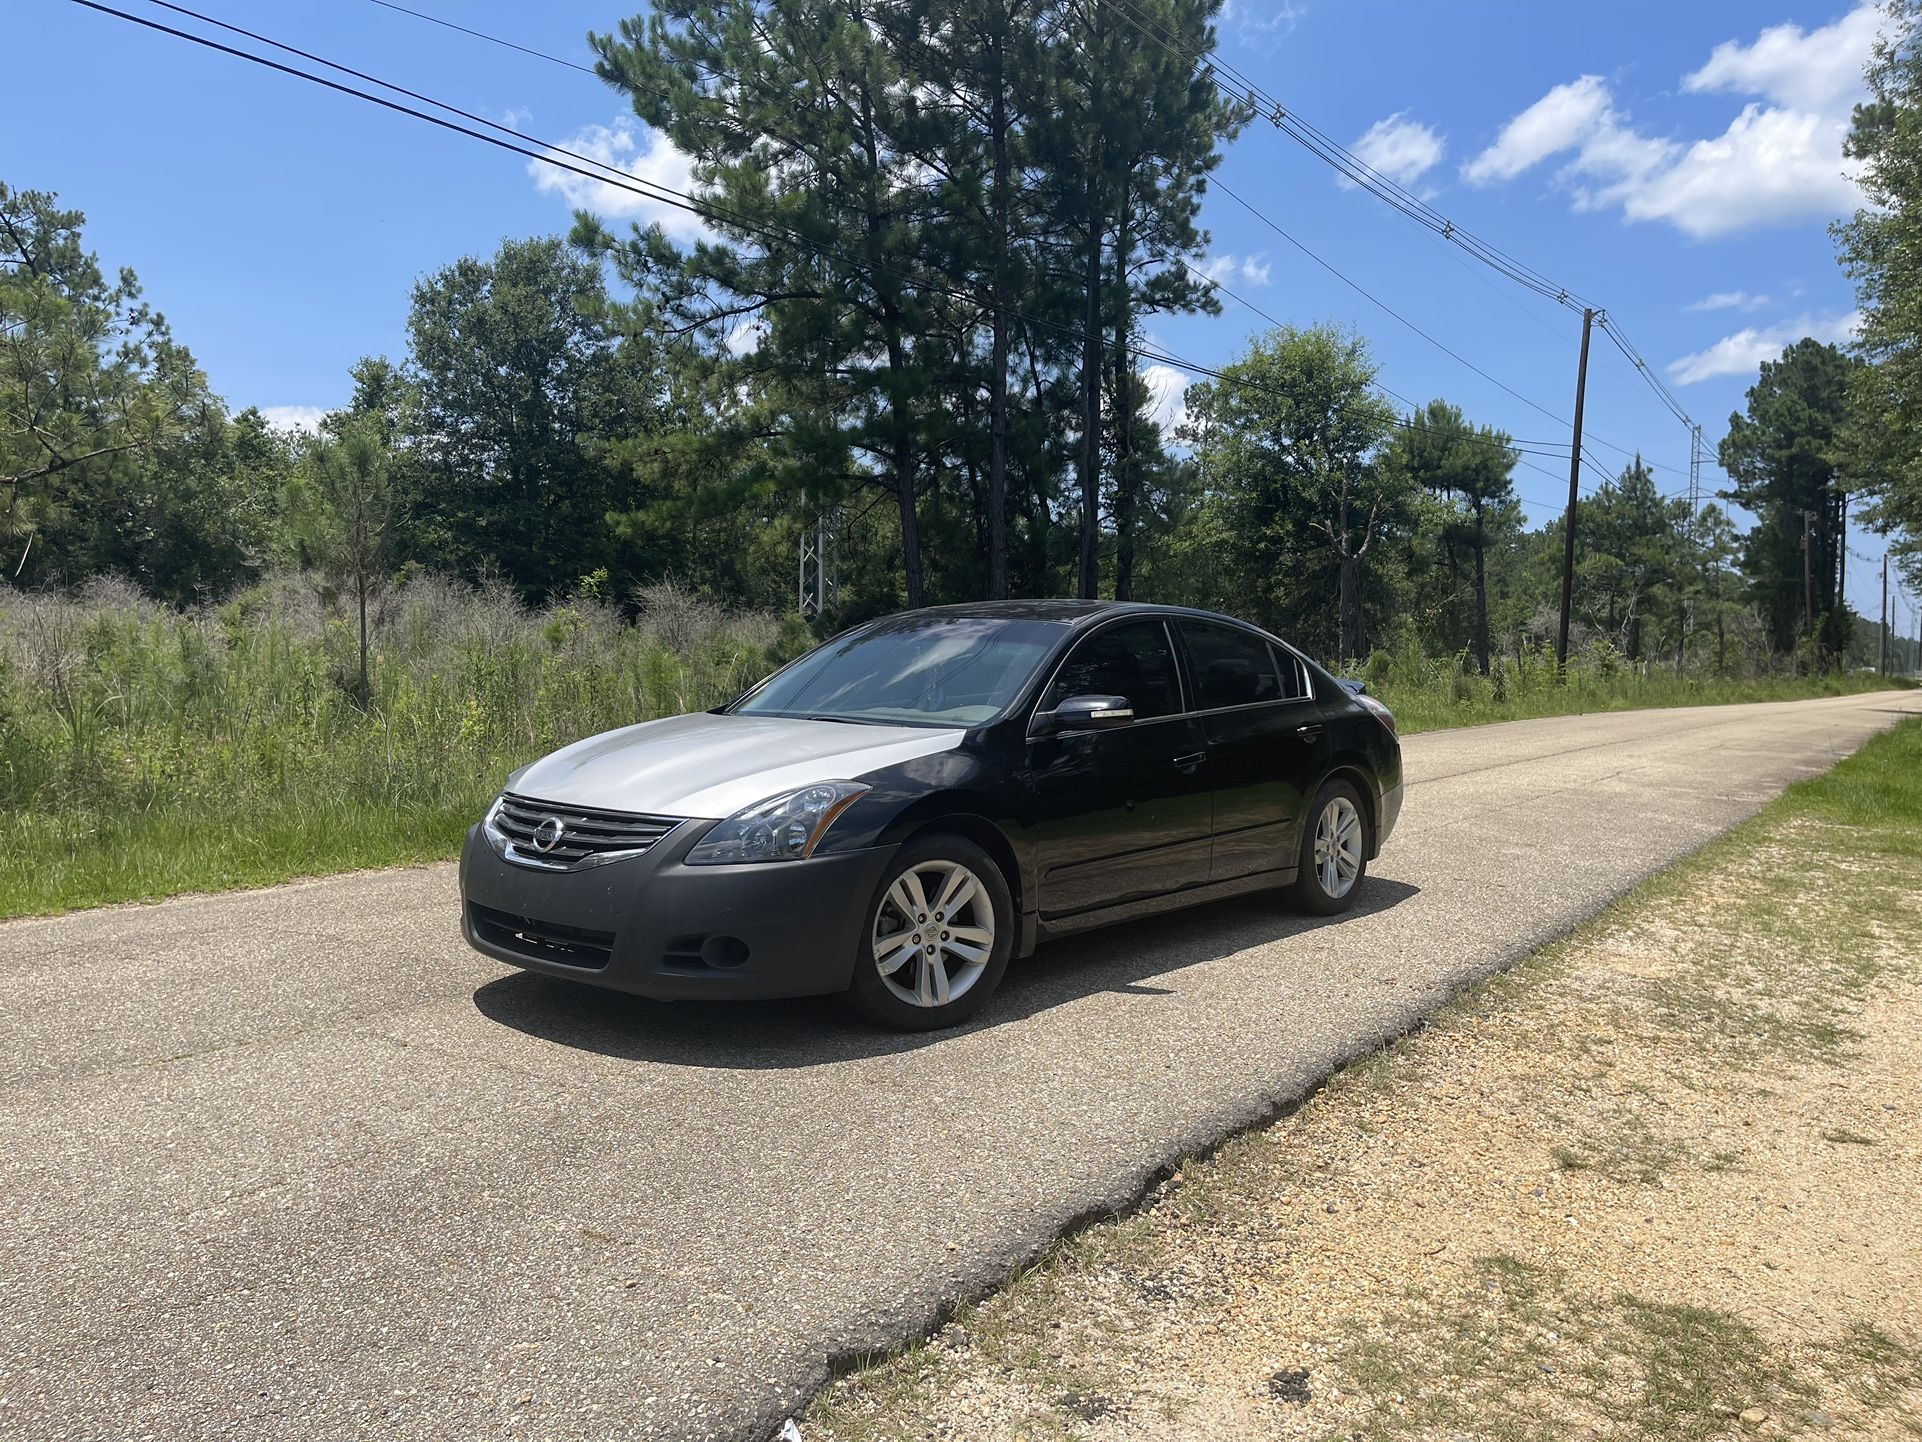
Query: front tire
(1334,851)
(936,939)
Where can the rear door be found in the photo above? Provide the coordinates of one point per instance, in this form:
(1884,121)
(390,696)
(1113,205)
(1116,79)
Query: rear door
(1266,741)
(1121,814)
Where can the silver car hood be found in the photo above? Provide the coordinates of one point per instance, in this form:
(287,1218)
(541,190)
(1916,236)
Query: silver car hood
(712,766)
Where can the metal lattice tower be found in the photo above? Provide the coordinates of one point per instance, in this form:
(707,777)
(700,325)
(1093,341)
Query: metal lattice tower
(819,590)
(1694,477)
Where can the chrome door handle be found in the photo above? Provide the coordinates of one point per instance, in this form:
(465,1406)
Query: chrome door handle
(1191,760)
(1308,733)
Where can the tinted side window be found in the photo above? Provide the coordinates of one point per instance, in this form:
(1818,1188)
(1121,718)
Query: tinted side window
(1231,668)
(1132,660)
(1294,680)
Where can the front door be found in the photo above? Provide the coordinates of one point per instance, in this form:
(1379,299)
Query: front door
(1265,741)
(1117,815)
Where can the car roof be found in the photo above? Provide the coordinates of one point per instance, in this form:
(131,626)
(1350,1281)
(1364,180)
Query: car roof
(1066,611)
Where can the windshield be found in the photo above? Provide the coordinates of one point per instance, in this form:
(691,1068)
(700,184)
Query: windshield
(913,670)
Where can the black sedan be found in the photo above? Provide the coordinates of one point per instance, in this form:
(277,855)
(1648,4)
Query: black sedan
(904,809)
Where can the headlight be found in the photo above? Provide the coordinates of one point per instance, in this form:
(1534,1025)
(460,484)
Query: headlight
(782,828)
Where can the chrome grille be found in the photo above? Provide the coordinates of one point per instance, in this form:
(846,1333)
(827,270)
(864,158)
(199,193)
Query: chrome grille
(587,835)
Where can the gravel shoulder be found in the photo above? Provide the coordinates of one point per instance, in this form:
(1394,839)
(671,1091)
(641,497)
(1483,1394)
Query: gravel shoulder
(1656,1182)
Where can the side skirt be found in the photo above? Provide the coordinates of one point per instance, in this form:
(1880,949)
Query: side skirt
(1036,929)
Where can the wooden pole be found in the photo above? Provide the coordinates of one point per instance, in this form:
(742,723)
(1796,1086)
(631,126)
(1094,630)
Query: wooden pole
(1574,493)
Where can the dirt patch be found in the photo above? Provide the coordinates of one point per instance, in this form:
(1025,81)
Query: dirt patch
(1661,1182)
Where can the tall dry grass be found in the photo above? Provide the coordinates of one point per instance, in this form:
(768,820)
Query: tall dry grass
(1429,693)
(145,751)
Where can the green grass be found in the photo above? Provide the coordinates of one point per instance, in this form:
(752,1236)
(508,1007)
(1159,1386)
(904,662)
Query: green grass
(1513,1355)
(145,753)
(1429,694)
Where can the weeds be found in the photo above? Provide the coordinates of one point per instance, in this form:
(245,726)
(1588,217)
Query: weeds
(1430,693)
(144,751)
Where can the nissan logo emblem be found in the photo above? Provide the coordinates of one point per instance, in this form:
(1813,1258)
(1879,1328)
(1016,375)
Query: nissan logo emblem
(548,834)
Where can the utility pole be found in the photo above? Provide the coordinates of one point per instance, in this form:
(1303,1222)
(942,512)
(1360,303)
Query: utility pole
(1808,589)
(1842,560)
(1882,652)
(1694,537)
(1574,493)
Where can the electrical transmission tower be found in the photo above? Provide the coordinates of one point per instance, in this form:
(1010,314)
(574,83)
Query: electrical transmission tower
(1694,477)
(820,583)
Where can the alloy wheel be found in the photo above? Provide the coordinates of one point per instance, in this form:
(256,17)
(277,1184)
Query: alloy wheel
(933,933)
(1338,847)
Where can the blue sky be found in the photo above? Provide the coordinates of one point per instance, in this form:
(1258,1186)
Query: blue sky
(1677,163)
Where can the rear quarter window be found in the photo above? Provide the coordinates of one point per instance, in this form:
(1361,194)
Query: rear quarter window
(1234,668)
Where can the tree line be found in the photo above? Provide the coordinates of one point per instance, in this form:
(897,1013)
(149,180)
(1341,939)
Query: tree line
(932,238)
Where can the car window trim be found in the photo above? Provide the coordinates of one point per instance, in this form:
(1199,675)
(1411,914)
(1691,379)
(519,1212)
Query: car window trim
(1304,687)
(1269,643)
(1184,679)
(1182,698)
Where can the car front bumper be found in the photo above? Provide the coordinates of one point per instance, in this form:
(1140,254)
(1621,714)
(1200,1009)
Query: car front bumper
(656,927)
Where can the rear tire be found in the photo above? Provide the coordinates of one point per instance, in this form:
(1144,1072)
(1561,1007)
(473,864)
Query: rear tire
(1335,841)
(935,938)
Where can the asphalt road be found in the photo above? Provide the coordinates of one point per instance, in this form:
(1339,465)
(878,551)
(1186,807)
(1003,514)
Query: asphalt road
(293,1164)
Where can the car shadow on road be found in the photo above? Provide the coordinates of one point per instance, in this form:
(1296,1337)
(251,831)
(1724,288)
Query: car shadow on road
(819,1031)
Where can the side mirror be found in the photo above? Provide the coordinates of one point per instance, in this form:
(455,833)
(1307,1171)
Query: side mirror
(1085,713)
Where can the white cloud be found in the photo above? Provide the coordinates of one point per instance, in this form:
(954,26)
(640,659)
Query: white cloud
(636,151)
(1261,24)
(1559,121)
(1813,70)
(744,337)
(1742,354)
(1769,167)
(1403,150)
(1776,162)
(1167,389)
(306,419)
(1228,269)
(1729,300)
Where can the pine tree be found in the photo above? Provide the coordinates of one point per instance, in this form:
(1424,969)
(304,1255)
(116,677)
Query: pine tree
(1782,458)
(1291,440)
(1471,470)
(801,126)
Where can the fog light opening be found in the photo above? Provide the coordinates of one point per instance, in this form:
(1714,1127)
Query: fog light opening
(723,952)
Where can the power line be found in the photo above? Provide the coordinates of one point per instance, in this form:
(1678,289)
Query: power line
(1378,302)
(1373,299)
(1201,275)
(619,179)
(1398,197)
(1347,163)
(1221,286)
(504,129)
(1668,397)
(483,35)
